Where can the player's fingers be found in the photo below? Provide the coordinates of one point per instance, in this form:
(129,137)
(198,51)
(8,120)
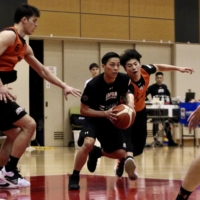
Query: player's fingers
(193,124)
(115,110)
(66,98)
(4,98)
(190,117)
(78,92)
(11,97)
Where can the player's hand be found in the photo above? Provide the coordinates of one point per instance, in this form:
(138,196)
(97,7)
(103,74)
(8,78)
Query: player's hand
(194,119)
(111,114)
(5,94)
(73,91)
(186,70)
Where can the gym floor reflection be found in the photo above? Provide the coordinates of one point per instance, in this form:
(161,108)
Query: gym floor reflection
(160,173)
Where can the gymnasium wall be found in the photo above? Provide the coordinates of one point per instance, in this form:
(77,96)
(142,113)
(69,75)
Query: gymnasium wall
(113,19)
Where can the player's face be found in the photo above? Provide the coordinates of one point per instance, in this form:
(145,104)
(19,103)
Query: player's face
(132,68)
(30,24)
(94,71)
(111,68)
(159,79)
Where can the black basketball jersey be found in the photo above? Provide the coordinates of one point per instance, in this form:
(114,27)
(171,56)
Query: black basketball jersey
(100,95)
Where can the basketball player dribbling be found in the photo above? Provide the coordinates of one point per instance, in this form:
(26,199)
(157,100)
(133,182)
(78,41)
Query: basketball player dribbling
(101,94)
(15,123)
(137,133)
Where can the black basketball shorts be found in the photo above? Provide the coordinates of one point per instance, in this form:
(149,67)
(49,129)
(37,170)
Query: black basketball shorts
(10,112)
(110,137)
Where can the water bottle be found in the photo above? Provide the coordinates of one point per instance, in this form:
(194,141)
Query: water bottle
(167,100)
(165,141)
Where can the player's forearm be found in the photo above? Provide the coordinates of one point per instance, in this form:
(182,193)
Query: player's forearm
(92,113)
(130,100)
(165,67)
(47,75)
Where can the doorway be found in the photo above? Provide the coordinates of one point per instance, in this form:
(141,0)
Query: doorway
(36,93)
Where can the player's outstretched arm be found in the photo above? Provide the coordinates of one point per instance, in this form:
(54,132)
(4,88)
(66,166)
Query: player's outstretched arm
(165,67)
(45,73)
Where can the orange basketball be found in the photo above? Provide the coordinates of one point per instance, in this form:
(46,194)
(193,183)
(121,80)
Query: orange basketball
(125,116)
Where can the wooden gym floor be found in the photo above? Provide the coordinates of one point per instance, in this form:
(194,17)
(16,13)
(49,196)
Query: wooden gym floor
(160,173)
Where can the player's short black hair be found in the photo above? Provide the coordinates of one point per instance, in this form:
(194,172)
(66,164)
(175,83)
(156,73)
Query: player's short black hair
(159,73)
(109,55)
(128,55)
(25,10)
(93,65)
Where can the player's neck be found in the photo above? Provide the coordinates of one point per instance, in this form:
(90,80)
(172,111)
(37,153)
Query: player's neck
(20,30)
(136,78)
(108,79)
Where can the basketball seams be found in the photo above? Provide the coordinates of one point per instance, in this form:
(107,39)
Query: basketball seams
(125,114)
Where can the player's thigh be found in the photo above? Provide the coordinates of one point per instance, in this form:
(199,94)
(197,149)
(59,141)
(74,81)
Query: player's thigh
(26,122)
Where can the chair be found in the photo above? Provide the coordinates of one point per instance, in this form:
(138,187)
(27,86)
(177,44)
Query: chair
(76,121)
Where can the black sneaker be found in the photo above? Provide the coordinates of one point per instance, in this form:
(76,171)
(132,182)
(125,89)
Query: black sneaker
(158,144)
(92,158)
(119,168)
(172,144)
(74,182)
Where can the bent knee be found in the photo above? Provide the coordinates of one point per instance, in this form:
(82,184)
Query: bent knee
(27,123)
(120,154)
(31,125)
(88,143)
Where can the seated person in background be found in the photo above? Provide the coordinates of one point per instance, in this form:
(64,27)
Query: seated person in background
(160,90)
(94,69)
(190,96)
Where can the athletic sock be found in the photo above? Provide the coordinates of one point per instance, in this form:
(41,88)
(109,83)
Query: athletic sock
(12,163)
(75,172)
(128,157)
(183,194)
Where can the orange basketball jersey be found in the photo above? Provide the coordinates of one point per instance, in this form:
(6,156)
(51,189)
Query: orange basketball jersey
(140,93)
(13,54)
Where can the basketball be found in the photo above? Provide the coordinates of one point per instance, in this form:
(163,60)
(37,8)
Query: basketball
(125,116)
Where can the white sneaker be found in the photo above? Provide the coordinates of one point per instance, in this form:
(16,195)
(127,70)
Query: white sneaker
(14,178)
(4,185)
(130,167)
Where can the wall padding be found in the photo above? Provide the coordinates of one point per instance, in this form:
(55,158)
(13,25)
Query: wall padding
(58,24)
(151,29)
(98,26)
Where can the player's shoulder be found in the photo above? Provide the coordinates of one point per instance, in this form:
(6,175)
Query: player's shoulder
(148,66)
(122,75)
(163,85)
(8,35)
(95,81)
